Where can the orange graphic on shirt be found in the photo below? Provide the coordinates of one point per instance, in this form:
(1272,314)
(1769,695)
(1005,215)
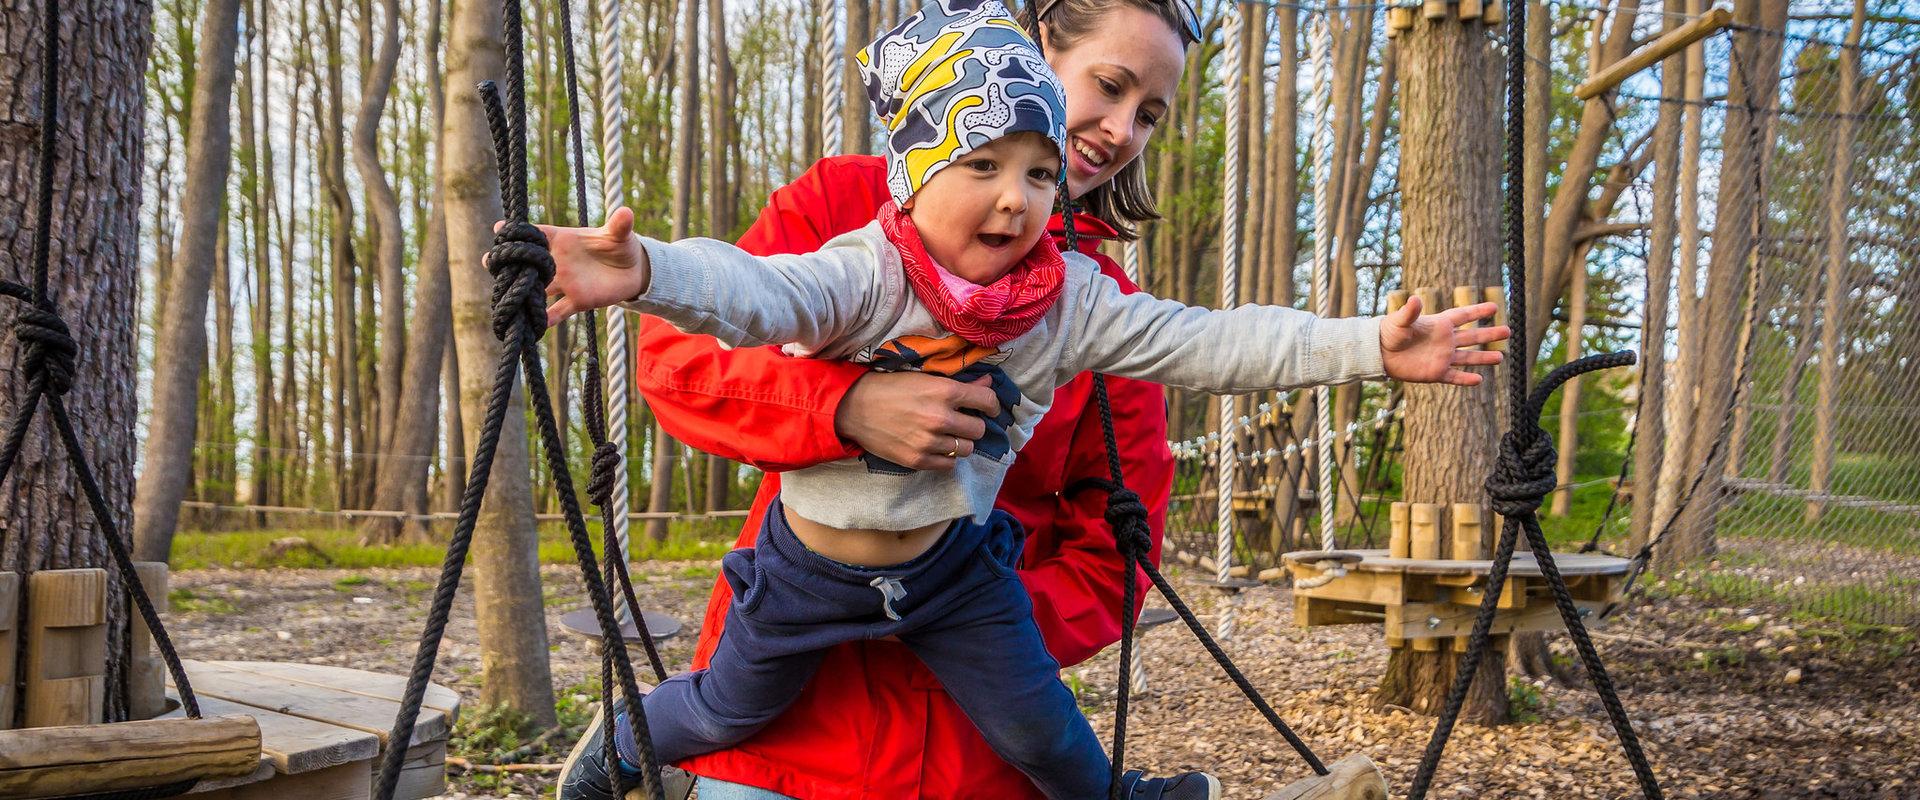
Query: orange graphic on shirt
(944,356)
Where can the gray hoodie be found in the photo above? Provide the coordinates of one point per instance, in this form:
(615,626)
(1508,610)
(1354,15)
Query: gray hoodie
(851,300)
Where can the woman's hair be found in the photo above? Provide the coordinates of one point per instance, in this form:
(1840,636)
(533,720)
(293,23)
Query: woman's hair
(1126,199)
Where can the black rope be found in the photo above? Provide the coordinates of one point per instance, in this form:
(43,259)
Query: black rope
(49,360)
(1524,474)
(522,267)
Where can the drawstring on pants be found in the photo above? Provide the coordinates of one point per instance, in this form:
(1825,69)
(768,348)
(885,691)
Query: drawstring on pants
(891,589)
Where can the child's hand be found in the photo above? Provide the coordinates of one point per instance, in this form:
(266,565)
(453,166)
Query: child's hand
(594,267)
(1427,349)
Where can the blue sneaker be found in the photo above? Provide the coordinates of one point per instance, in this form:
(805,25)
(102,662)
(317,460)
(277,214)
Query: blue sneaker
(584,775)
(1185,786)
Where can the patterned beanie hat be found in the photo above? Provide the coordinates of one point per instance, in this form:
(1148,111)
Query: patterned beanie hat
(951,78)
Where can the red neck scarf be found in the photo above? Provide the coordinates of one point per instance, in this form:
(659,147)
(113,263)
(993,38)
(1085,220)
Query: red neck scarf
(989,315)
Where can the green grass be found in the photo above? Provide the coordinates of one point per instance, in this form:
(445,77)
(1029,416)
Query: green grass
(185,601)
(687,540)
(1525,703)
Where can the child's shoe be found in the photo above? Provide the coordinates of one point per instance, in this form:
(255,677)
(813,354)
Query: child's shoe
(1184,786)
(584,775)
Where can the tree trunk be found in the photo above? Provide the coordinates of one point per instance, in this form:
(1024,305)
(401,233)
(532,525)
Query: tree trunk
(1833,315)
(383,211)
(1681,397)
(721,191)
(183,330)
(855,129)
(1283,227)
(1449,162)
(513,631)
(345,374)
(1650,430)
(259,165)
(1753,85)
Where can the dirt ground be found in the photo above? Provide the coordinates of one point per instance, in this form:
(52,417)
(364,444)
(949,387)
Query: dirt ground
(1729,702)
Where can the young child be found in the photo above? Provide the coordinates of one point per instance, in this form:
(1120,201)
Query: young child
(956,277)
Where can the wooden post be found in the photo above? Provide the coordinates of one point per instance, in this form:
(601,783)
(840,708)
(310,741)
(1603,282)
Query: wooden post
(1469,532)
(1352,778)
(1396,299)
(1434,9)
(1429,300)
(147,674)
(1399,536)
(1470,9)
(1495,15)
(9,613)
(66,652)
(1426,519)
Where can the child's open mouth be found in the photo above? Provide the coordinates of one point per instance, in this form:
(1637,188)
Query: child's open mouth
(995,240)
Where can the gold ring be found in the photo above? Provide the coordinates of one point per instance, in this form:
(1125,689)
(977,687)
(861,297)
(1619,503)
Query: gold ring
(955,452)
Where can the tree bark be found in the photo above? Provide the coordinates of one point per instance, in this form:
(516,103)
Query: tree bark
(383,211)
(183,330)
(513,630)
(1682,393)
(1753,87)
(1650,430)
(855,129)
(1449,134)
(721,191)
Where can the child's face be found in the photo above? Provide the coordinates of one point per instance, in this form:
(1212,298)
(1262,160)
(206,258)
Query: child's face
(980,215)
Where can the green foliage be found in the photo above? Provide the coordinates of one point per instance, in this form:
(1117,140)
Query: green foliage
(487,732)
(687,540)
(1525,702)
(350,582)
(184,601)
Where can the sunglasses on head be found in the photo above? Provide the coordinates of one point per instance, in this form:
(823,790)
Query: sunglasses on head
(1189,21)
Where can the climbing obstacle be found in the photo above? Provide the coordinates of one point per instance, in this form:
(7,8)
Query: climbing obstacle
(1426,587)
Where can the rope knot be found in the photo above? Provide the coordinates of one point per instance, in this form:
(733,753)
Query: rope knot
(1128,517)
(521,267)
(606,459)
(1524,475)
(48,352)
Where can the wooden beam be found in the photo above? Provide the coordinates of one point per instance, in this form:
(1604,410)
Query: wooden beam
(1352,778)
(92,759)
(66,648)
(1652,52)
(147,674)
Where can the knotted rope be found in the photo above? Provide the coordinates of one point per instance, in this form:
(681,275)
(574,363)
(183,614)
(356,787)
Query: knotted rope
(1524,473)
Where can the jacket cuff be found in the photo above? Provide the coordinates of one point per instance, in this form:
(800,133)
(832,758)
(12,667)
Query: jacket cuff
(675,281)
(1345,349)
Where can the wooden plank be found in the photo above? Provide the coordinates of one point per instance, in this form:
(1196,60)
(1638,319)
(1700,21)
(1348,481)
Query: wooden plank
(1311,612)
(87,759)
(344,782)
(9,637)
(66,648)
(374,715)
(1652,52)
(1434,621)
(356,681)
(147,674)
(1352,778)
(1571,564)
(1371,588)
(424,773)
(295,745)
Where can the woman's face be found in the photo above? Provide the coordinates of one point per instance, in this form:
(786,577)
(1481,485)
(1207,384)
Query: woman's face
(1119,81)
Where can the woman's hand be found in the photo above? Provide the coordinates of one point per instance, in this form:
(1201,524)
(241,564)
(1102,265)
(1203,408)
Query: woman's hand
(594,267)
(914,419)
(1428,349)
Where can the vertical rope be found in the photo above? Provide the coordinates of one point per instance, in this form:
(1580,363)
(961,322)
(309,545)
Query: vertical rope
(613,166)
(832,81)
(1229,297)
(1130,261)
(1323,254)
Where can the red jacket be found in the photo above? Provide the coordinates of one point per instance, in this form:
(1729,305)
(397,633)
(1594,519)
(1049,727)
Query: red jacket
(874,723)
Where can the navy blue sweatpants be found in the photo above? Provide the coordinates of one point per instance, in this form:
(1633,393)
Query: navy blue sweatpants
(959,607)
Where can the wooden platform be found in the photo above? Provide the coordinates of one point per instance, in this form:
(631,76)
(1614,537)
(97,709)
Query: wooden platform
(1426,601)
(322,729)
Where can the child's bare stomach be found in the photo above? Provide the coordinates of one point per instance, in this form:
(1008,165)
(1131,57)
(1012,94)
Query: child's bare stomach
(865,547)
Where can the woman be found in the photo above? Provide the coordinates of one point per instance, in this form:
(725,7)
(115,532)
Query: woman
(874,723)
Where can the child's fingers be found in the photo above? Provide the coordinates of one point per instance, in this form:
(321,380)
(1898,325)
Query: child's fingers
(1458,377)
(1407,312)
(559,310)
(620,224)
(1457,317)
(1476,336)
(1476,358)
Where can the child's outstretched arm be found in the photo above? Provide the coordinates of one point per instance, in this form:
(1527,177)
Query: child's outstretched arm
(707,286)
(1253,348)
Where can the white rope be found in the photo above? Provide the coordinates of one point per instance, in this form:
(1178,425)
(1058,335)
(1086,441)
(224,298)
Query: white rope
(1229,292)
(1130,261)
(613,195)
(1323,248)
(1137,668)
(832,82)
